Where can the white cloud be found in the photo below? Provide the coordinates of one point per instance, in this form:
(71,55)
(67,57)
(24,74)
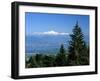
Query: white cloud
(50,33)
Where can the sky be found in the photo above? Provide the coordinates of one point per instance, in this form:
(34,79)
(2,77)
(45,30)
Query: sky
(56,24)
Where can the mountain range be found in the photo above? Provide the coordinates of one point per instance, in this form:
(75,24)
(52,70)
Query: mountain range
(47,43)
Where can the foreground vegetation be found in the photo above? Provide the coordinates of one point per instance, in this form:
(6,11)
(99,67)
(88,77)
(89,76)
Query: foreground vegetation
(77,54)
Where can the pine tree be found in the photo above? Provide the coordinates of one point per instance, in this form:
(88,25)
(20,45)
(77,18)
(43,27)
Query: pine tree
(39,58)
(48,60)
(32,62)
(77,47)
(61,57)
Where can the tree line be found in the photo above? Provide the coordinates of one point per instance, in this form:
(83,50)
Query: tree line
(77,54)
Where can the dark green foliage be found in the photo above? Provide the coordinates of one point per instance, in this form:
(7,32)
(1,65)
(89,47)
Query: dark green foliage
(62,50)
(78,52)
(32,62)
(61,59)
(39,58)
(48,61)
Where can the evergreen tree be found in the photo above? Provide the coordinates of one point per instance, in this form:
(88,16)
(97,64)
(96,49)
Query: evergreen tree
(32,62)
(61,57)
(48,60)
(39,58)
(77,47)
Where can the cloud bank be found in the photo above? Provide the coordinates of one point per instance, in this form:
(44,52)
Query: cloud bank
(50,33)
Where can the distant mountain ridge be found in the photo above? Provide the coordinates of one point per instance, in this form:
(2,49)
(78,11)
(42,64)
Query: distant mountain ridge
(47,44)
(52,32)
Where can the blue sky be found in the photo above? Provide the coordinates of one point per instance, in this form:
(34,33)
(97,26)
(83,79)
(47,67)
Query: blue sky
(44,22)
